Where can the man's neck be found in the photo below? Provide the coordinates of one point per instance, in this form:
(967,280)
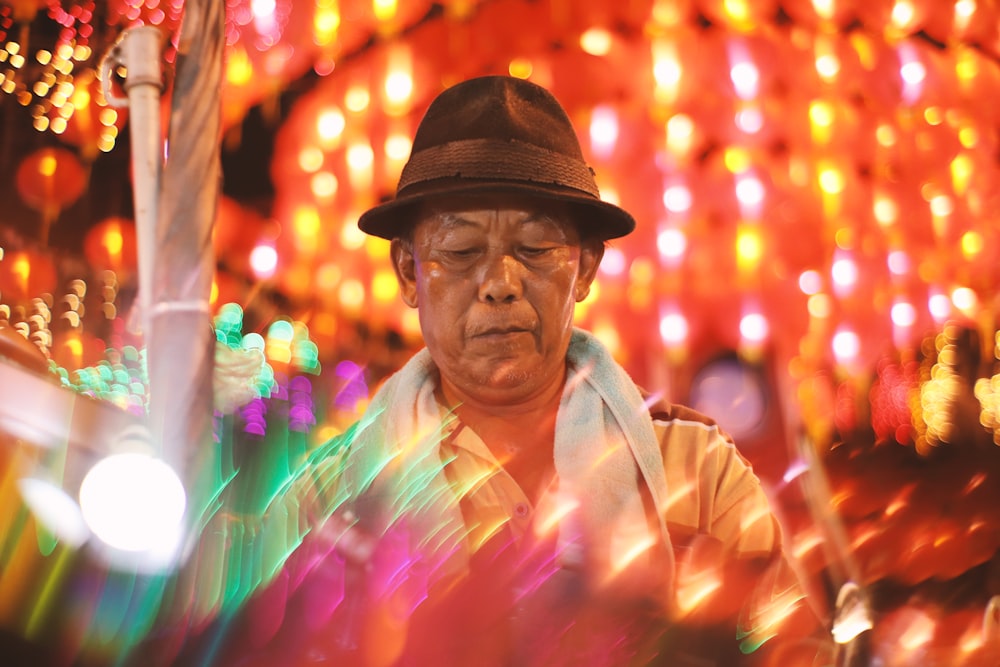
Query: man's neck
(520,435)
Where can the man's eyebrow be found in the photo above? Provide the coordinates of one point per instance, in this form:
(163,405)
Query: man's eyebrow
(450,220)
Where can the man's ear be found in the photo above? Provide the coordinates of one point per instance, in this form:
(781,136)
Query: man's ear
(591,253)
(404,265)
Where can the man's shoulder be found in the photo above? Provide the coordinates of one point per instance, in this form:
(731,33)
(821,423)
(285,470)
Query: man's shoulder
(666,412)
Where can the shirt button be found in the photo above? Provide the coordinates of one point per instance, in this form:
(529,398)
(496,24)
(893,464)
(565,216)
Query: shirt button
(521,509)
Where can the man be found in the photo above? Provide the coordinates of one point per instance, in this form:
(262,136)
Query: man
(509,498)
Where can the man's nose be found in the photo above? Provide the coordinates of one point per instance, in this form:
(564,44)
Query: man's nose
(501,281)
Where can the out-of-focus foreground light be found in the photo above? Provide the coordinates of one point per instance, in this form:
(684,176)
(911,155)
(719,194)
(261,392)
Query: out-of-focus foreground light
(134,502)
(55,510)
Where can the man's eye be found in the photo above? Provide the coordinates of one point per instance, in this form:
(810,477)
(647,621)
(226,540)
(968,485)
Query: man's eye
(532,251)
(461,253)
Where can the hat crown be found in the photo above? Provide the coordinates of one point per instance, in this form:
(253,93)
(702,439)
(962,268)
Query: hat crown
(495,134)
(500,129)
(498,107)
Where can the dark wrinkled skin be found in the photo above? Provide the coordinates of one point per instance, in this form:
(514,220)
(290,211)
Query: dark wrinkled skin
(496,281)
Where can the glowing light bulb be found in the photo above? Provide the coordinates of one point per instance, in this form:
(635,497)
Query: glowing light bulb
(846,346)
(330,124)
(746,79)
(754,327)
(398,88)
(603,130)
(672,243)
(898,262)
(323,184)
(673,329)
(749,191)
(677,199)
(844,273)
(810,282)
(263,260)
(903,314)
(596,41)
(614,262)
(133,502)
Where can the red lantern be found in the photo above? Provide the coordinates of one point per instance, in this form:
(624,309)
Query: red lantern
(111,244)
(25,274)
(49,180)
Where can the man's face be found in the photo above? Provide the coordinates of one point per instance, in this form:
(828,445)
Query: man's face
(496,281)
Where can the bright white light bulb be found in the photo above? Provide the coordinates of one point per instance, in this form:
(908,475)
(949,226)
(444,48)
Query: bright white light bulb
(754,327)
(672,243)
(810,282)
(903,314)
(673,329)
(939,306)
(750,121)
(603,130)
(677,198)
(613,263)
(746,78)
(846,346)
(898,262)
(750,191)
(55,510)
(133,502)
(844,272)
(264,260)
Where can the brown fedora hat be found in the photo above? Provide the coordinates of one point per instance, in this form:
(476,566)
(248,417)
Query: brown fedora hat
(497,134)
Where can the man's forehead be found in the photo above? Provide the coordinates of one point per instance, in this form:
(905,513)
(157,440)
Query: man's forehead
(475,211)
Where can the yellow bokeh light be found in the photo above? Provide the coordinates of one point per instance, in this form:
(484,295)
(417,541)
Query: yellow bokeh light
(972,244)
(397,146)
(831,180)
(384,286)
(239,69)
(384,10)
(738,11)
(324,185)
(961,171)
(351,294)
(398,87)
(844,238)
(966,66)
(326,23)
(885,210)
(903,14)
(310,159)
(934,115)
(357,99)
(596,41)
(819,306)
(306,223)
(942,205)
(885,135)
(968,137)
(737,159)
(821,113)
(330,124)
(824,8)
(351,238)
(749,247)
(113,241)
(520,68)
(328,276)
(47,165)
(827,66)
(377,248)
(680,134)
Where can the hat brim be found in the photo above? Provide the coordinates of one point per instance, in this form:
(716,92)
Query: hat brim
(597,218)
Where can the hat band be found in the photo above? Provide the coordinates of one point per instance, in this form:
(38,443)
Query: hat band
(497,160)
